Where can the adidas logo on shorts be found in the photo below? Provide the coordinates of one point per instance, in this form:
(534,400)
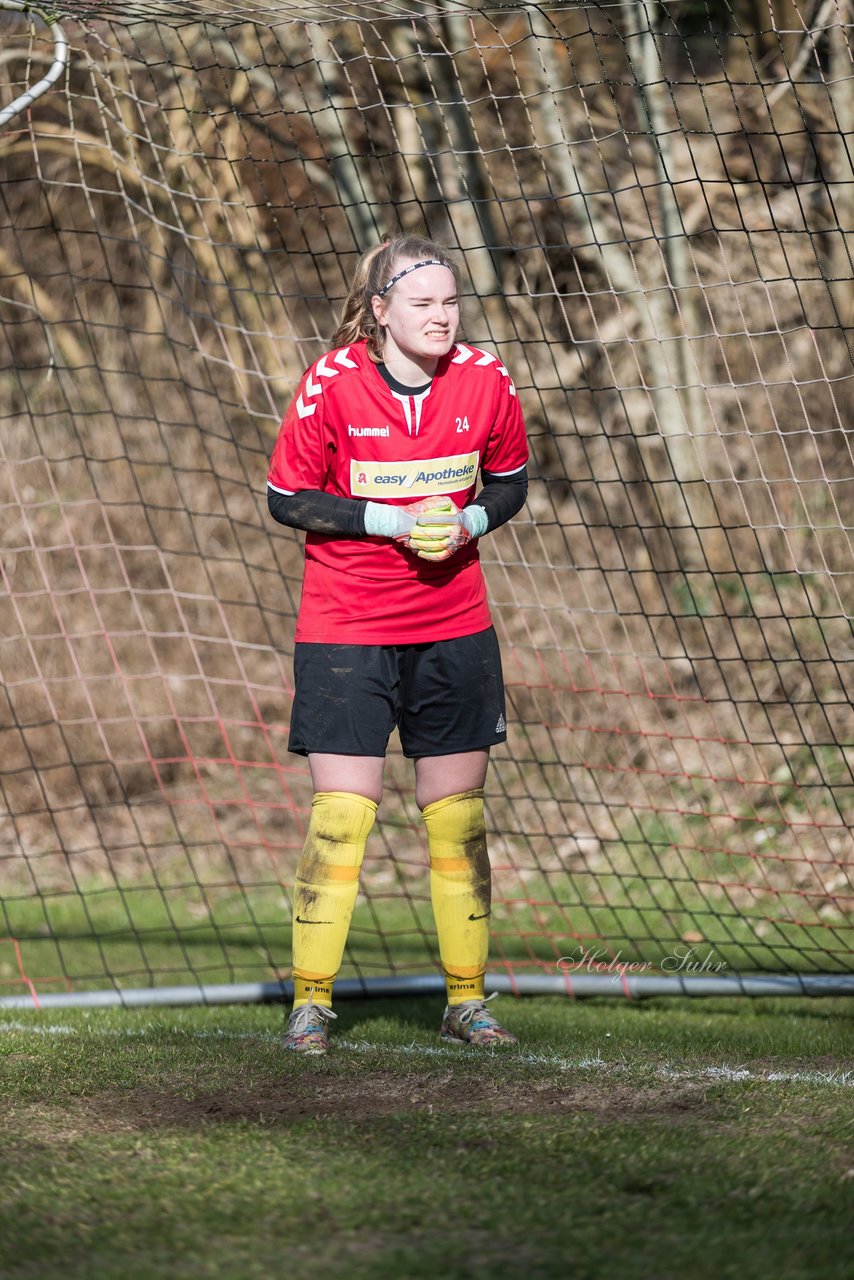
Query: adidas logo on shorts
(502,725)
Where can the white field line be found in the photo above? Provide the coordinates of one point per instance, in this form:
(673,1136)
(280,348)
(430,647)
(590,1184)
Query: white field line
(554,1062)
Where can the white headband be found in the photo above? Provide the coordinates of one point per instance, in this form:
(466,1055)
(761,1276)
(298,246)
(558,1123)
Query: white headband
(427,262)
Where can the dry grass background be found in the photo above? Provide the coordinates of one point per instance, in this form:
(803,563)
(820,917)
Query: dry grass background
(178,231)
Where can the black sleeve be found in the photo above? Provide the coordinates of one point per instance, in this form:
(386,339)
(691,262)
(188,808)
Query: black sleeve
(318,512)
(502,496)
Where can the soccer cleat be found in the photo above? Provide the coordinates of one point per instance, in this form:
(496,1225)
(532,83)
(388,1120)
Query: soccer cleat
(472,1023)
(307,1030)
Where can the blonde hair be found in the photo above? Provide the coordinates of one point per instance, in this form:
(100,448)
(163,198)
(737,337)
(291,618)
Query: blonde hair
(373,272)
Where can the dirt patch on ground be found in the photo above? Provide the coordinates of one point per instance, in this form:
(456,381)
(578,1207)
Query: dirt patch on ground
(383,1093)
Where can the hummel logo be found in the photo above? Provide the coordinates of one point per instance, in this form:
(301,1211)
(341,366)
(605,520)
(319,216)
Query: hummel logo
(301,921)
(483,917)
(368,431)
(502,725)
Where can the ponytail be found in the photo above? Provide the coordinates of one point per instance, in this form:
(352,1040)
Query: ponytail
(373,271)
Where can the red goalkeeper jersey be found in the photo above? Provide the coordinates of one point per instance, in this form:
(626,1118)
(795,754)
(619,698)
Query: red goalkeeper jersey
(347,433)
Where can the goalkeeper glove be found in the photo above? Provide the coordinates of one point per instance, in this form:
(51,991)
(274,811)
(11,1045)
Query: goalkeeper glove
(385,521)
(440,533)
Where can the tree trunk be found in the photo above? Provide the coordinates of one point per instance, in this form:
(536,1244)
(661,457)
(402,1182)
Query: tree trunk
(356,193)
(841,90)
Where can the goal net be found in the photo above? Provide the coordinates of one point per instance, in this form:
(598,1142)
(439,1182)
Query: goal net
(653,206)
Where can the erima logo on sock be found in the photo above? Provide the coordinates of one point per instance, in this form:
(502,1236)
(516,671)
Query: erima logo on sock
(483,917)
(502,725)
(300,920)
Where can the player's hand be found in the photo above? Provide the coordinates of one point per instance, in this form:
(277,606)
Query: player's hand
(442,507)
(385,521)
(439,534)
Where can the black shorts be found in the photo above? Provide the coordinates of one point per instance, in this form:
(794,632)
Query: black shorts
(443,697)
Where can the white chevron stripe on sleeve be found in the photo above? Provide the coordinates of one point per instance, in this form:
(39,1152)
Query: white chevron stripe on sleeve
(342,357)
(511,387)
(463,354)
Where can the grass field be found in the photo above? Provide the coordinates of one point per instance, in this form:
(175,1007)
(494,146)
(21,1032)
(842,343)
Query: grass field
(658,1140)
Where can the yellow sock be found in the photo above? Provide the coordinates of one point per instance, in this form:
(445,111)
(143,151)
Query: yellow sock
(460,887)
(326,887)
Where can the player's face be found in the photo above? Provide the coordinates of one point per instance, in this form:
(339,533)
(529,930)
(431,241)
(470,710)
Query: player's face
(421,315)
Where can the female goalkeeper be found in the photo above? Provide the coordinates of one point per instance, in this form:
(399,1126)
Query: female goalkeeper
(377,460)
